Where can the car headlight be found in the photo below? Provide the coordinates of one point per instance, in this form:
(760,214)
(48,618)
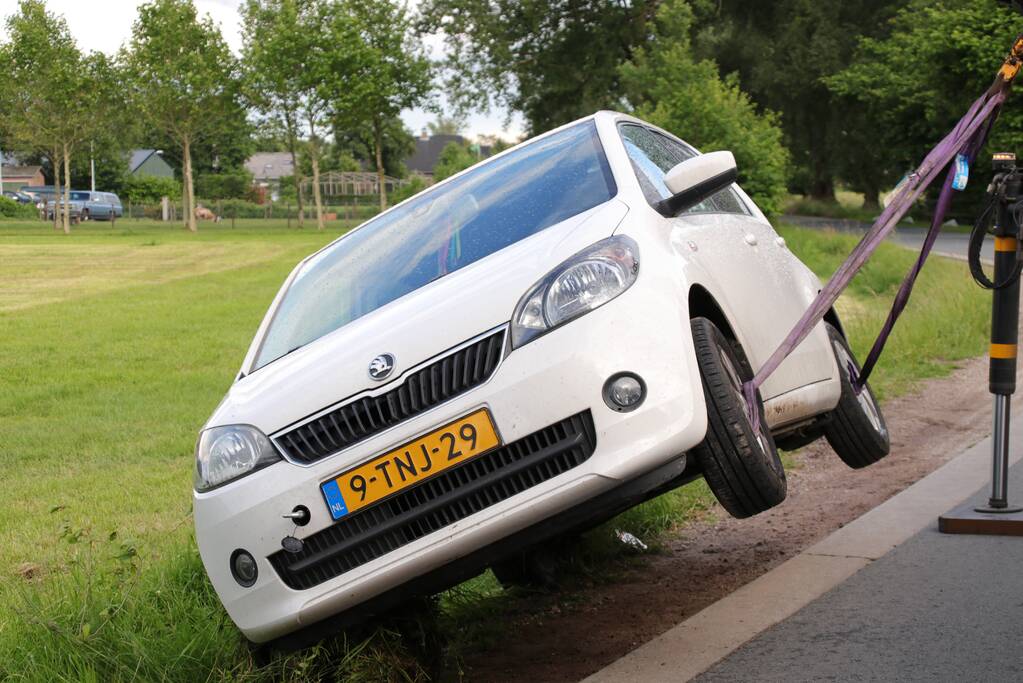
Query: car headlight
(226,453)
(584,282)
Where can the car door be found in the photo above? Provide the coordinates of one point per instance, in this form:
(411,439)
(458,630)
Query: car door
(744,257)
(102,203)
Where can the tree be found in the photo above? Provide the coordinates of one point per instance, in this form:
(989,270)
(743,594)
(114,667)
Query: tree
(276,47)
(782,51)
(916,83)
(453,158)
(358,145)
(551,60)
(669,88)
(184,80)
(446,125)
(387,72)
(295,61)
(42,104)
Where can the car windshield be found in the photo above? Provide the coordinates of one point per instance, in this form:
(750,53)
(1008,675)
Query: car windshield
(79,196)
(486,209)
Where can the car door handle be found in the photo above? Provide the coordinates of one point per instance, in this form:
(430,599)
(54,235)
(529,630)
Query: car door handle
(751,239)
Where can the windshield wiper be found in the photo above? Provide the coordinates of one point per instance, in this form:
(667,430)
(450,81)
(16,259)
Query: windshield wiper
(282,355)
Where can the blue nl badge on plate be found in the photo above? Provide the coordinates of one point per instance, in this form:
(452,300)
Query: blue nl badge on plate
(335,502)
(962,173)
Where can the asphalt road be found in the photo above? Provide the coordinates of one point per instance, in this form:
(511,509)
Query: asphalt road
(951,244)
(937,608)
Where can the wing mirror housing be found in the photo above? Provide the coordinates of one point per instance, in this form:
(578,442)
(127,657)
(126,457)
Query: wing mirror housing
(695,179)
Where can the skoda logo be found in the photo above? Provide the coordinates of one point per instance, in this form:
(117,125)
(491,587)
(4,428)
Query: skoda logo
(382,366)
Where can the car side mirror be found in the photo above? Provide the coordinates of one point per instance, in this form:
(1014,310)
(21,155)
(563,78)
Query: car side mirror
(695,179)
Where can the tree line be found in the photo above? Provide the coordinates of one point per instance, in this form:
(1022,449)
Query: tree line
(307,68)
(810,95)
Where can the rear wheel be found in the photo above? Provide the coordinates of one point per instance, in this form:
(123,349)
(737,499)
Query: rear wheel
(857,430)
(741,465)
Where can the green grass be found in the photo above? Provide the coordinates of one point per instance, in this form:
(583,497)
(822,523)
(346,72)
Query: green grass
(118,342)
(946,320)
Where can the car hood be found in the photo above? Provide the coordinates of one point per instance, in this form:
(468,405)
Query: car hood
(413,328)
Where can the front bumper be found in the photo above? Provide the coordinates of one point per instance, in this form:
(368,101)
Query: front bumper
(553,378)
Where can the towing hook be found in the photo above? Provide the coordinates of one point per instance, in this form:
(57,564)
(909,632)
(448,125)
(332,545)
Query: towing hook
(300,515)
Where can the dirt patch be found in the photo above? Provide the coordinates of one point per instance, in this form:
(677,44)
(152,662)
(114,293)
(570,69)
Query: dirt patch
(704,561)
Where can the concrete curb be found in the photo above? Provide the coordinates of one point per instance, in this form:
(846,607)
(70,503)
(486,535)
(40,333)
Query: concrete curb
(698,643)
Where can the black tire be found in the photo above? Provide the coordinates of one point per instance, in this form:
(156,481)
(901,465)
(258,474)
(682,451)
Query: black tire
(857,430)
(84,215)
(741,467)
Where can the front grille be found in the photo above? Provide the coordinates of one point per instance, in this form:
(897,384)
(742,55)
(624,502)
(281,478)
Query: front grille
(437,502)
(425,388)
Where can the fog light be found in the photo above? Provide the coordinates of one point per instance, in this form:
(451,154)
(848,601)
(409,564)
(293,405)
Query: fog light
(244,568)
(624,392)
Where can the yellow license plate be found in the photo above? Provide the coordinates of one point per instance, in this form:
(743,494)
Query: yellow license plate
(416,461)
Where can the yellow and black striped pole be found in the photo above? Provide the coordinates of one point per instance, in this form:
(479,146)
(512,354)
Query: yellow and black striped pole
(1004,324)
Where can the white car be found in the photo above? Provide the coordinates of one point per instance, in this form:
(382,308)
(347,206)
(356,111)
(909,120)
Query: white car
(515,354)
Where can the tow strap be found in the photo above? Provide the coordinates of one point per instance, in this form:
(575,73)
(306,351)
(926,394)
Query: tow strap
(961,145)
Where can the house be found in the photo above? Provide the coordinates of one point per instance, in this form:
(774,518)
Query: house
(149,162)
(428,149)
(16,177)
(267,168)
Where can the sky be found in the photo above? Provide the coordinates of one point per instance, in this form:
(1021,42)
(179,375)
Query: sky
(104,25)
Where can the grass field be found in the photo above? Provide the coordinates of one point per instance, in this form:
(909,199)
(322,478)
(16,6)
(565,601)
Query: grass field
(116,346)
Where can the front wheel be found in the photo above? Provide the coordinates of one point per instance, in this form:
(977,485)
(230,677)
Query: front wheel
(741,465)
(857,430)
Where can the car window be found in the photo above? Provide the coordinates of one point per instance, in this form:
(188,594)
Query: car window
(80,196)
(653,155)
(441,230)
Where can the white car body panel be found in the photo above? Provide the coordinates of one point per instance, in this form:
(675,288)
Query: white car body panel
(760,287)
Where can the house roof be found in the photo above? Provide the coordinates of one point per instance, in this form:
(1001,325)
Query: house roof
(428,150)
(270,165)
(21,172)
(139,157)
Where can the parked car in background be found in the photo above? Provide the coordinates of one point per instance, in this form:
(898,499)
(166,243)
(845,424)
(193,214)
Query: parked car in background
(20,197)
(40,194)
(511,356)
(103,206)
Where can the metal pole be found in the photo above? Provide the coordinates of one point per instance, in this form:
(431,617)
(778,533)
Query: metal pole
(1004,331)
(1,171)
(92,169)
(1000,458)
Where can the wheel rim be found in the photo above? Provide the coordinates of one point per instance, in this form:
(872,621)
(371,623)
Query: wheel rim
(736,384)
(865,398)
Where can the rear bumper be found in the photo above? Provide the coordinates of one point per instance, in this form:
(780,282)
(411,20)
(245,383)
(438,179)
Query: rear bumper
(550,379)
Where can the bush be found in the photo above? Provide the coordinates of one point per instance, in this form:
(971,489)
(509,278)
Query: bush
(413,187)
(12,209)
(670,89)
(235,184)
(453,158)
(149,189)
(236,208)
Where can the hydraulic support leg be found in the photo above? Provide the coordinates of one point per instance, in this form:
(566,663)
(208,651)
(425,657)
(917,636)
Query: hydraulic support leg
(1004,340)
(1006,195)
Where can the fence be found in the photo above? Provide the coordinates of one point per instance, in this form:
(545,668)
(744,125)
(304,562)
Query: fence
(344,208)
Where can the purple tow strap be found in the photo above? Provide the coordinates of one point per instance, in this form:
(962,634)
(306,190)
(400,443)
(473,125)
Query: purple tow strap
(967,137)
